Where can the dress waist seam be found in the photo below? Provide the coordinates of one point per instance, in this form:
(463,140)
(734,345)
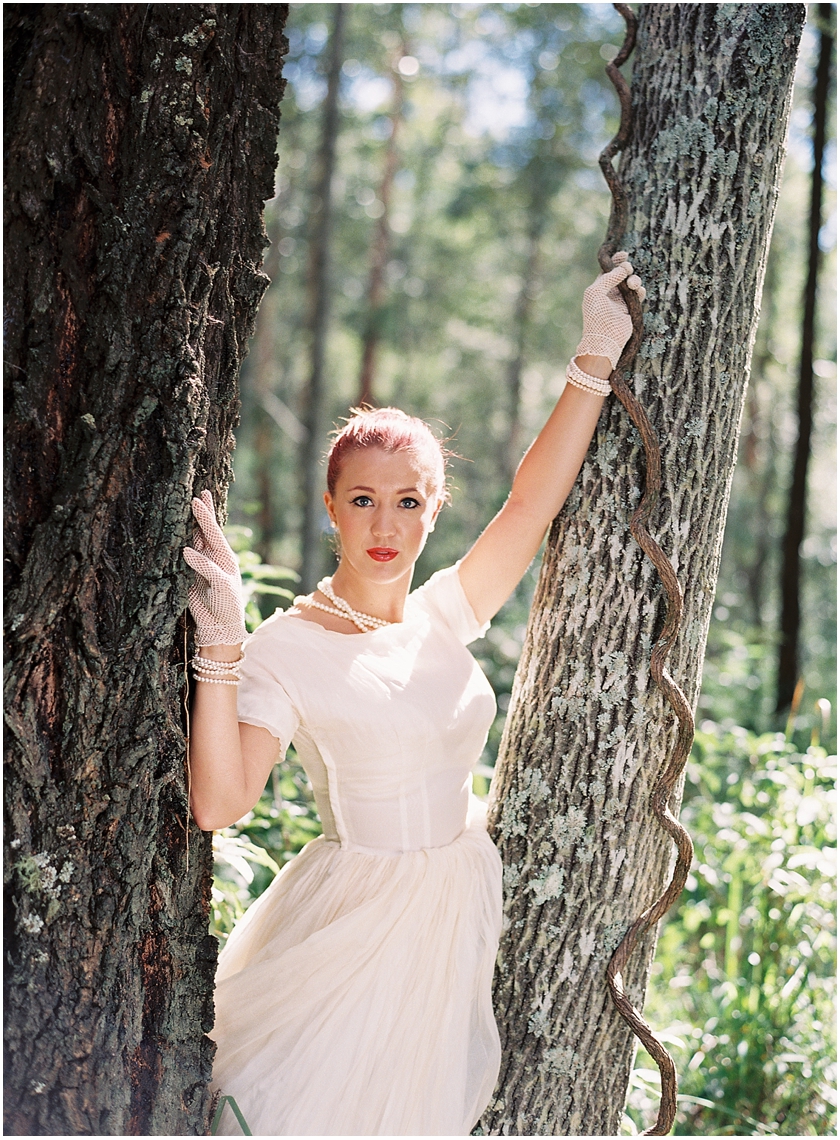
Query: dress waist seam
(388,852)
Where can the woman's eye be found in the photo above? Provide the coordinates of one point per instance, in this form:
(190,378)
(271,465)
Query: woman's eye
(363,501)
(411,503)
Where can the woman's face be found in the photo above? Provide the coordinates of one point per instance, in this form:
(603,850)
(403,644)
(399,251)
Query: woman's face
(384,506)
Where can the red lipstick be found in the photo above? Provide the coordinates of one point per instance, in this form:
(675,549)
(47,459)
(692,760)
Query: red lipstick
(382,553)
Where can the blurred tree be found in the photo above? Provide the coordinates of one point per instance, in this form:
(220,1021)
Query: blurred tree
(319,287)
(788,670)
(260,375)
(760,474)
(140,144)
(381,241)
(585,737)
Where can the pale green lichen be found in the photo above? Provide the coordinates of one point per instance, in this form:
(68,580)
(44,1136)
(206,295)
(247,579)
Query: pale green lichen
(597,789)
(538,1022)
(568,829)
(611,934)
(38,875)
(535,790)
(185,64)
(31,923)
(511,876)
(561,1061)
(547,885)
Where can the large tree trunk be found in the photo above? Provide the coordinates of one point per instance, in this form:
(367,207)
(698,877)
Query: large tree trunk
(318,316)
(788,672)
(140,146)
(587,734)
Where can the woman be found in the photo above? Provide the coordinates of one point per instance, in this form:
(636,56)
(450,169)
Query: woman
(354,996)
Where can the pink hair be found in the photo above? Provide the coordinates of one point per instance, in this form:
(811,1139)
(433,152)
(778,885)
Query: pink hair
(392,430)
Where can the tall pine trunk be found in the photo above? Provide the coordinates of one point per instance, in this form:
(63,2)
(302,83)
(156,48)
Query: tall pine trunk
(587,733)
(140,146)
(318,284)
(788,671)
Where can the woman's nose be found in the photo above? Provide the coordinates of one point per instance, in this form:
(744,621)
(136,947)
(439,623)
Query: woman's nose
(383,524)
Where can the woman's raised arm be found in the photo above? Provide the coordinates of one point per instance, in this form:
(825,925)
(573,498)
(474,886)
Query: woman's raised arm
(490,571)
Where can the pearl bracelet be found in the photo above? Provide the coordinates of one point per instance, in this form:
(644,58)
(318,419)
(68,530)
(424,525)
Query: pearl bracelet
(214,680)
(580,379)
(206,670)
(208,664)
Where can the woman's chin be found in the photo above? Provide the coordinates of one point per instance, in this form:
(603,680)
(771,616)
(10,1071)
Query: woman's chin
(380,570)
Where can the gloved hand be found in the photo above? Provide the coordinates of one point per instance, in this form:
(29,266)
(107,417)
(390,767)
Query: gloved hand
(216,592)
(606,323)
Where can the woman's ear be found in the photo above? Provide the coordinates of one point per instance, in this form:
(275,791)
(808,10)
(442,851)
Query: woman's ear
(328,503)
(435,515)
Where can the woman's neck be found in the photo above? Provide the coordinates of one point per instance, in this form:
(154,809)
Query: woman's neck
(379,599)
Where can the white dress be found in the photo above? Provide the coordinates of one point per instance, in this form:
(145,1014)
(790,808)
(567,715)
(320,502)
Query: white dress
(353,998)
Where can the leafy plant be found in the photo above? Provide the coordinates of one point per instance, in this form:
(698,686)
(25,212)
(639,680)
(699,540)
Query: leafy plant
(258,578)
(751,1001)
(249,854)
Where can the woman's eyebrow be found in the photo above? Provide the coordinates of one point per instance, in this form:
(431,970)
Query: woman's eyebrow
(372,490)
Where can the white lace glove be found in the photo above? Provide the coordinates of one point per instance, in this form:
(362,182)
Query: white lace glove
(607,326)
(216,592)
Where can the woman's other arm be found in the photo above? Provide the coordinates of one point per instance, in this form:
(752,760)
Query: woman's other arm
(229,761)
(492,568)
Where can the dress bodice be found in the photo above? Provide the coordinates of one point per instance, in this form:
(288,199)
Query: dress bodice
(387,724)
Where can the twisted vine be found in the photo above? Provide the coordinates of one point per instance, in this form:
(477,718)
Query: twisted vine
(674,610)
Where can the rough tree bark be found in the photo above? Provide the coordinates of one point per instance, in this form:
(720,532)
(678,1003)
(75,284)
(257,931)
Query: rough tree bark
(140,143)
(318,316)
(791,578)
(587,734)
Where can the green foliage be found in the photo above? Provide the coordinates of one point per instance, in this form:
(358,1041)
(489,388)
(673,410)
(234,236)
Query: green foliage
(745,971)
(249,854)
(258,578)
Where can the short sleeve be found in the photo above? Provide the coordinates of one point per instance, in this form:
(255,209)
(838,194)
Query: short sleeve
(444,595)
(261,699)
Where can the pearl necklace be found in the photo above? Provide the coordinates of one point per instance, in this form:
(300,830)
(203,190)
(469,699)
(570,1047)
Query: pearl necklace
(366,623)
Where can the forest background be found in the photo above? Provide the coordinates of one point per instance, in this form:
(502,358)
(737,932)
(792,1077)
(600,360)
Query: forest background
(467,209)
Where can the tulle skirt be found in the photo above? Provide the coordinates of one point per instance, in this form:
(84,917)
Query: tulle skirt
(353,999)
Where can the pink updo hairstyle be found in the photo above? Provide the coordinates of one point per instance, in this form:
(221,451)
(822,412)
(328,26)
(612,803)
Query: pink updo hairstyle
(391,430)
